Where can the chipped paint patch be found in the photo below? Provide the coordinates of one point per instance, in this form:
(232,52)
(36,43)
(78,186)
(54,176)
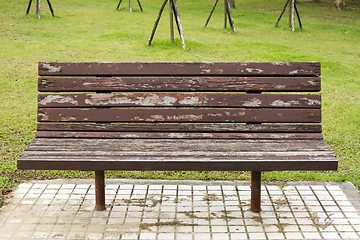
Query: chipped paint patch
(252,70)
(43,116)
(294,72)
(57,99)
(279,103)
(280,86)
(193,101)
(253,102)
(148,100)
(51,69)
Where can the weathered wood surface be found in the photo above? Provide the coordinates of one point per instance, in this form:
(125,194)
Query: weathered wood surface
(153,127)
(180,69)
(180,100)
(201,115)
(171,145)
(176,135)
(200,84)
(209,154)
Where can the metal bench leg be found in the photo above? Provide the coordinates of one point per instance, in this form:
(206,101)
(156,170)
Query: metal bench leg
(100,190)
(255,191)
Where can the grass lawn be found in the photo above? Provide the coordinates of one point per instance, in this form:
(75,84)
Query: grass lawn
(93,30)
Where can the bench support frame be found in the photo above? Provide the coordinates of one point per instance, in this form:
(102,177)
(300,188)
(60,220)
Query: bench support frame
(255,191)
(100,190)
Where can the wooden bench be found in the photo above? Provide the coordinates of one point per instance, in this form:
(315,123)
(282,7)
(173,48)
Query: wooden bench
(179,116)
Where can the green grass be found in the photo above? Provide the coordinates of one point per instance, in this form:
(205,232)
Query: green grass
(94,31)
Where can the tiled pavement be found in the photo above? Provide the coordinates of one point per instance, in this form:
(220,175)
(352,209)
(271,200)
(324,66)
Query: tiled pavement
(138,209)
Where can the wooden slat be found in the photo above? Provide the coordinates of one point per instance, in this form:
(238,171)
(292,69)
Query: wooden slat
(191,164)
(175,145)
(176,135)
(179,115)
(180,100)
(180,69)
(248,84)
(153,127)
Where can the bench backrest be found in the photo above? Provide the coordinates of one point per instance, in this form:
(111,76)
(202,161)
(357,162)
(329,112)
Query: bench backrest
(180,100)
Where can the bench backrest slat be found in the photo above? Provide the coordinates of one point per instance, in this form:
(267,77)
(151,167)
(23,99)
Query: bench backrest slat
(170,84)
(179,100)
(181,69)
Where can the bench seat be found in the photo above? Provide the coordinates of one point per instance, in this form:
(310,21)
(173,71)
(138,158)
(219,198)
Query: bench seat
(178,154)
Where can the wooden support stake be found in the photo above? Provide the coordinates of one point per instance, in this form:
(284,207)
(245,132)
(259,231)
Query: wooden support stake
(298,16)
(225,14)
(118,5)
(100,190)
(130,5)
(231,20)
(293,15)
(157,22)
(38,8)
(212,11)
(28,9)
(292,11)
(177,19)
(138,1)
(256,191)
(51,10)
(171,6)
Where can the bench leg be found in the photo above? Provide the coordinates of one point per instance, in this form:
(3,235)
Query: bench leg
(255,191)
(100,190)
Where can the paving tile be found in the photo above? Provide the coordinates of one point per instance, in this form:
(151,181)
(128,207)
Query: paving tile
(54,211)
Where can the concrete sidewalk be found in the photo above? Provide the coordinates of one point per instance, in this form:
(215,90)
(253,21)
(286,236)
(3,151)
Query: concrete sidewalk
(151,209)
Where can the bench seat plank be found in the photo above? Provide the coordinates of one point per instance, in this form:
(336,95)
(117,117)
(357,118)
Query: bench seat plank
(174,127)
(177,135)
(169,154)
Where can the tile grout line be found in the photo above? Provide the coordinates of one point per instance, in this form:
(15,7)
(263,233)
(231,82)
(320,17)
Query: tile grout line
(13,235)
(225,212)
(292,213)
(309,212)
(127,207)
(159,213)
(209,213)
(143,211)
(276,214)
(193,211)
(323,208)
(111,209)
(352,226)
(242,212)
(176,210)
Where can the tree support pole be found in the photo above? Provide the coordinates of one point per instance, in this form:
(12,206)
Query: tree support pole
(100,190)
(178,22)
(175,13)
(130,5)
(157,22)
(38,8)
(231,20)
(256,191)
(212,11)
(292,11)
(171,21)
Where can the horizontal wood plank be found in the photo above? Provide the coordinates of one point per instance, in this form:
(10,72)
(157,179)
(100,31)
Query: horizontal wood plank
(175,145)
(153,127)
(179,115)
(179,165)
(180,100)
(207,84)
(180,69)
(177,135)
